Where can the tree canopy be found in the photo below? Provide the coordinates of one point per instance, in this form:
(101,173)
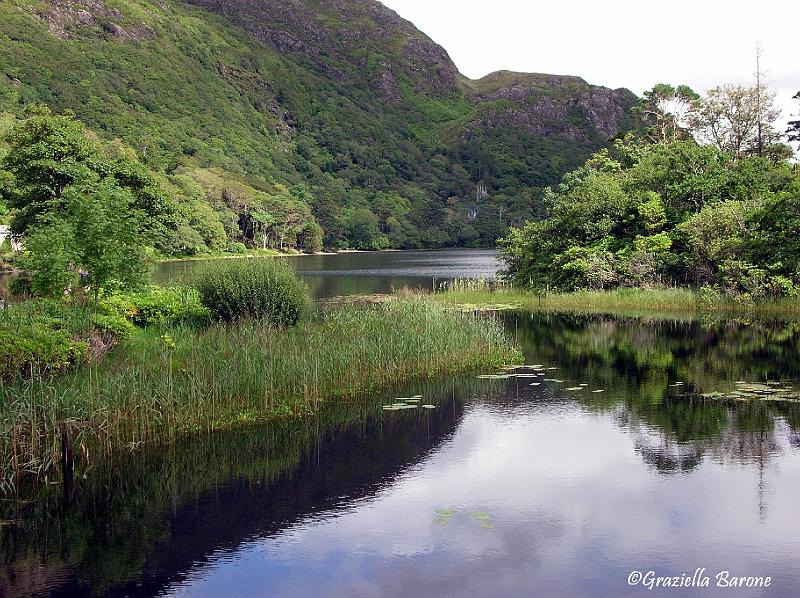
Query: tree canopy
(667,213)
(86,217)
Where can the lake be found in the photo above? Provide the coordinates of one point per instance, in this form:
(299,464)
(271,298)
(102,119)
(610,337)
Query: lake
(562,480)
(367,273)
(358,273)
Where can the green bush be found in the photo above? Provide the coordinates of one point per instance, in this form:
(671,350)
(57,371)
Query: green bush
(158,305)
(20,286)
(53,314)
(114,325)
(266,289)
(28,349)
(236,247)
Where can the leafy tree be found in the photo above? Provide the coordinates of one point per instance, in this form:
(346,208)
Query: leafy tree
(738,120)
(50,253)
(665,110)
(205,220)
(110,234)
(79,211)
(775,241)
(310,238)
(185,240)
(665,214)
(363,230)
(794,126)
(712,238)
(46,155)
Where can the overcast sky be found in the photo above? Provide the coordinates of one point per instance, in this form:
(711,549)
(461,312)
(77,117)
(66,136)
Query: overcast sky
(620,43)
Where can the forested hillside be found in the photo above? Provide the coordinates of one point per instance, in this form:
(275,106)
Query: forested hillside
(270,122)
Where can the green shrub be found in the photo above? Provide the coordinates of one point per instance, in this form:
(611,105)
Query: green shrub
(158,305)
(236,247)
(115,325)
(20,286)
(27,349)
(266,289)
(54,314)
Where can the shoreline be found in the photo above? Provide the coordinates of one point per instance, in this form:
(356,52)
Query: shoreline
(301,254)
(630,302)
(201,258)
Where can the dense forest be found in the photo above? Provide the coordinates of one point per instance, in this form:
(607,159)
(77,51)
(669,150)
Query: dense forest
(707,197)
(270,124)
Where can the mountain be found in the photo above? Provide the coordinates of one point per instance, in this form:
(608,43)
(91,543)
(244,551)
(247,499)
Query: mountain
(260,113)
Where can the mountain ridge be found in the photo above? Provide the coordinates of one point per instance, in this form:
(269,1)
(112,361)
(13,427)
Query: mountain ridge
(342,106)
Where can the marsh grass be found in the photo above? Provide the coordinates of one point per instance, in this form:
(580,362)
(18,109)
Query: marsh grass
(634,302)
(166,382)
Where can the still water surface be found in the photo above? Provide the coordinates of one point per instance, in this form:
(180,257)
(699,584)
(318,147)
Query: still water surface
(509,487)
(369,272)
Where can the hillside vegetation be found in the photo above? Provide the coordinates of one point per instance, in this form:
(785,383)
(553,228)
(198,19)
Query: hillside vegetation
(270,122)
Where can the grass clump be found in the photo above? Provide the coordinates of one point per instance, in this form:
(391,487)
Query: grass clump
(253,288)
(497,295)
(158,386)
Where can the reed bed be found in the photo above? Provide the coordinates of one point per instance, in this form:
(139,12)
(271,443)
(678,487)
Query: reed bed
(163,383)
(479,294)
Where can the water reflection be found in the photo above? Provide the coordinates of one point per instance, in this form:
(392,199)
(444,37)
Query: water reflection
(653,373)
(511,486)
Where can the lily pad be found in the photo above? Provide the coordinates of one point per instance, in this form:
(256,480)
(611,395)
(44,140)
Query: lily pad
(443,516)
(481,515)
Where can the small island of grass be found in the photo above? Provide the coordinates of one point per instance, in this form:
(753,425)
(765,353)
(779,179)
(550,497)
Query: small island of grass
(242,348)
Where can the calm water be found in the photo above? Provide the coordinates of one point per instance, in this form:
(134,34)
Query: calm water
(369,273)
(510,487)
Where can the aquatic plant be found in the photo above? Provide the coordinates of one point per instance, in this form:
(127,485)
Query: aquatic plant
(226,376)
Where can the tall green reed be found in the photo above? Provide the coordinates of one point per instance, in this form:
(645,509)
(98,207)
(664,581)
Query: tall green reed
(165,382)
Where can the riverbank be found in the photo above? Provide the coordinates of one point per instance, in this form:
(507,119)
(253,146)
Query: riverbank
(166,382)
(673,302)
